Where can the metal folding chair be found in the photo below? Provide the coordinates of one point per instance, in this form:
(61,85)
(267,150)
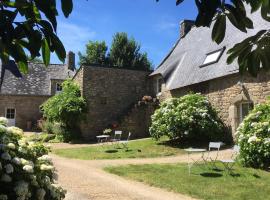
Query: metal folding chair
(212,154)
(229,163)
(116,138)
(125,142)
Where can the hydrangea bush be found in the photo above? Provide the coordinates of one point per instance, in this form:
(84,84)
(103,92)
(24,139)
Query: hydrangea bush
(26,170)
(190,116)
(253,137)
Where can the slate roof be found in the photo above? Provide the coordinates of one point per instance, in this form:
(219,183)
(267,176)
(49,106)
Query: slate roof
(182,65)
(36,82)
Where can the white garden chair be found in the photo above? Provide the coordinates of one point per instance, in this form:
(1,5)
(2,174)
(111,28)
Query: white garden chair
(212,154)
(229,163)
(117,137)
(125,142)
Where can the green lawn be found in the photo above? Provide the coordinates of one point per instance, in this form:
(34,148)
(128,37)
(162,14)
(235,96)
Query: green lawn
(145,148)
(246,184)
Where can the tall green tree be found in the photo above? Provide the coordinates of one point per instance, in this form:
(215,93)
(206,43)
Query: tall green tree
(252,53)
(29,26)
(96,53)
(125,53)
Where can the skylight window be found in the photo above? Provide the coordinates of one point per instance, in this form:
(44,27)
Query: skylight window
(213,57)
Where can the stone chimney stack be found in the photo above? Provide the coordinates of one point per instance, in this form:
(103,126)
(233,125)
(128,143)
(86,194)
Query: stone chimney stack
(185,27)
(71,60)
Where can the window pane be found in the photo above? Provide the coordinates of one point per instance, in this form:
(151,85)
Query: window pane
(212,57)
(10,113)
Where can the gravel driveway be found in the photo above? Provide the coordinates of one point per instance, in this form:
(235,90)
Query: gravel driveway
(85,179)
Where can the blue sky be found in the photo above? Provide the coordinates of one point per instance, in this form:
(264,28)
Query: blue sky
(154,25)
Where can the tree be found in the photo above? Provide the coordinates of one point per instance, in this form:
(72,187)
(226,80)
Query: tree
(96,53)
(252,53)
(30,27)
(67,108)
(125,53)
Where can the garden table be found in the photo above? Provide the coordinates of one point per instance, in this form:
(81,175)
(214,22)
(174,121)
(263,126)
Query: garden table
(102,138)
(192,161)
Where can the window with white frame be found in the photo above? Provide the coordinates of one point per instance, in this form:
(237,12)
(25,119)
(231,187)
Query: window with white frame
(244,109)
(10,113)
(212,57)
(58,88)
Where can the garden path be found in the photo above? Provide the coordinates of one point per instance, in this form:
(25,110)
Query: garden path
(85,179)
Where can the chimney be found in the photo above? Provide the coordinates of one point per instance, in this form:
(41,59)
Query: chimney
(71,60)
(185,27)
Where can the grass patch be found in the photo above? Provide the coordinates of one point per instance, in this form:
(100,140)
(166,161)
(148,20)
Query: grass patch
(145,148)
(246,184)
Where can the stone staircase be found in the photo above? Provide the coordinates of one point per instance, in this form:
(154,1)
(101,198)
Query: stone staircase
(137,118)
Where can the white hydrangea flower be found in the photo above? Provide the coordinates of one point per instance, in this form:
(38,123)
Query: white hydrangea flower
(3,128)
(9,168)
(267,141)
(5,156)
(15,130)
(3,121)
(44,167)
(45,158)
(6,178)
(41,194)
(252,139)
(265,123)
(16,161)
(22,142)
(253,124)
(28,168)
(3,197)
(11,146)
(21,188)
(22,150)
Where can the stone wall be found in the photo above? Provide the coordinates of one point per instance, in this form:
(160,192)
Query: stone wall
(27,108)
(138,120)
(109,93)
(226,93)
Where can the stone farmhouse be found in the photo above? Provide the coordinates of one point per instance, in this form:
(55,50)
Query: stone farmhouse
(114,96)
(198,64)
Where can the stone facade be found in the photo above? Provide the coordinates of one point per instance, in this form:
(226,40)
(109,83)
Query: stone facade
(227,93)
(110,93)
(26,109)
(138,120)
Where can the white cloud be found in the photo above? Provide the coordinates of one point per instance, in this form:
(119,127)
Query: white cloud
(74,37)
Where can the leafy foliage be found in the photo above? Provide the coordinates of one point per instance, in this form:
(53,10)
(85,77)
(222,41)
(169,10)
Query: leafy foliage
(252,53)
(188,117)
(35,31)
(67,108)
(96,53)
(26,171)
(253,137)
(124,53)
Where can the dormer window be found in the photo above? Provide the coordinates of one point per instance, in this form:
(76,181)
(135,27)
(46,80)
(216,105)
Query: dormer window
(58,88)
(213,57)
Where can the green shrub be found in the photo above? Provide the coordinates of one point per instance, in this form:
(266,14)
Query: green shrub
(253,137)
(67,108)
(47,127)
(26,170)
(43,137)
(188,117)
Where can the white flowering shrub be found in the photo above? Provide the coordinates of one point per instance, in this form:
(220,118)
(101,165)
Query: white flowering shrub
(190,117)
(253,137)
(26,170)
